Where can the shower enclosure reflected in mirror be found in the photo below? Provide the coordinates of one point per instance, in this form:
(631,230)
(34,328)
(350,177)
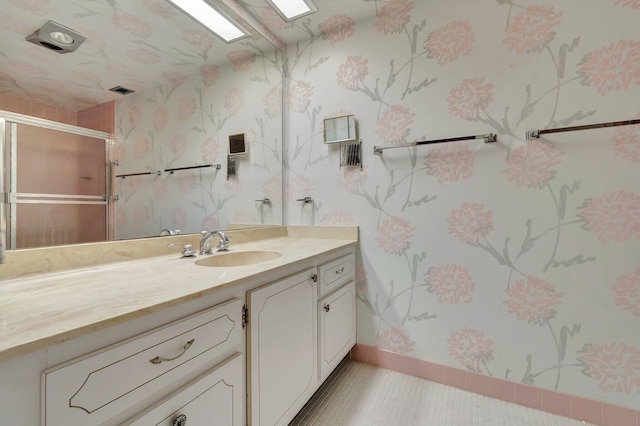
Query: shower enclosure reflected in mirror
(192,90)
(55,183)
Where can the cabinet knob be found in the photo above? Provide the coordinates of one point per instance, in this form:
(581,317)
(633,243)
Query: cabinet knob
(327,308)
(314,278)
(339,271)
(181,420)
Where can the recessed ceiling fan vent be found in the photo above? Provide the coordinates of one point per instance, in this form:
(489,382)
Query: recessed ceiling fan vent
(121,90)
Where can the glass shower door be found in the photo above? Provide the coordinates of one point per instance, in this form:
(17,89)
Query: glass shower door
(57,187)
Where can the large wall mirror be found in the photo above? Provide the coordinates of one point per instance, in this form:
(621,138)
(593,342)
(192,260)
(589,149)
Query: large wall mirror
(166,159)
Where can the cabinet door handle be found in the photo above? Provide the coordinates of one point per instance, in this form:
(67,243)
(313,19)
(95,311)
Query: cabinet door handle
(314,278)
(339,271)
(327,308)
(159,359)
(181,420)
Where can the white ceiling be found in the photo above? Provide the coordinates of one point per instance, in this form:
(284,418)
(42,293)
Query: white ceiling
(138,44)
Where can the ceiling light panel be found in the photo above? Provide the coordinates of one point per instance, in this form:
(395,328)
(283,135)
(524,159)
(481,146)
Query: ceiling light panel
(204,13)
(292,9)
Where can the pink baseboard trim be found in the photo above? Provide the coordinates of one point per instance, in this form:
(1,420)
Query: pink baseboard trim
(572,406)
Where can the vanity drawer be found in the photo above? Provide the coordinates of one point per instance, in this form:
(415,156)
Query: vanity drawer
(92,389)
(212,398)
(335,273)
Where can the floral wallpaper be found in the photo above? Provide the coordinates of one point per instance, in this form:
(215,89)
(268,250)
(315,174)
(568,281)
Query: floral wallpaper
(517,259)
(132,43)
(187,123)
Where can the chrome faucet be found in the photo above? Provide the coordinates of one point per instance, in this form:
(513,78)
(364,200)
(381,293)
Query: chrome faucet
(205,242)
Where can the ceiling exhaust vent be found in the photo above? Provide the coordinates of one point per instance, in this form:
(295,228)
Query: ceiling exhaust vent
(121,90)
(57,37)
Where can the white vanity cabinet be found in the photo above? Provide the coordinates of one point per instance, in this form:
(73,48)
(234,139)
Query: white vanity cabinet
(296,338)
(97,388)
(214,398)
(282,348)
(337,327)
(202,359)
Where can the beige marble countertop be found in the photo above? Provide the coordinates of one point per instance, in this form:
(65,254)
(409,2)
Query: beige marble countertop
(48,308)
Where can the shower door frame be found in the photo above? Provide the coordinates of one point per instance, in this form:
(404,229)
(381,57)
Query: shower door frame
(8,185)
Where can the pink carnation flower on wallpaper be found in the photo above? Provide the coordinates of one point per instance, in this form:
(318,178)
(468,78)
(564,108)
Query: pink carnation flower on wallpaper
(470,348)
(160,188)
(395,340)
(470,223)
(634,4)
(470,99)
(626,292)
(272,20)
(210,222)
(337,28)
(394,124)
(160,7)
(615,365)
(30,68)
(234,100)
(532,164)
(353,72)
(200,38)
(612,68)
(160,118)
(186,108)
(186,182)
(450,162)
(613,217)
(531,30)
(300,96)
(272,188)
(241,59)
(394,15)
(626,142)
(233,185)
(135,116)
(210,74)
(34,7)
(338,218)
(272,102)
(450,283)
(394,235)
(178,218)
(87,76)
(299,187)
(243,217)
(178,146)
(141,147)
(532,299)
(352,179)
(120,154)
(449,42)
(140,214)
(174,77)
(143,56)
(131,24)
(210,149)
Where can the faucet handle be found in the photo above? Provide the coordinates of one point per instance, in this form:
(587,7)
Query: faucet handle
(187,250)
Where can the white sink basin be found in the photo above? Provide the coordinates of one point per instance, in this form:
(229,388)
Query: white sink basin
(240,258)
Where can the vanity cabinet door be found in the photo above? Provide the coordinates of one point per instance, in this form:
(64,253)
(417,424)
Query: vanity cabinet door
(337,317)
(282,341)
(214,398)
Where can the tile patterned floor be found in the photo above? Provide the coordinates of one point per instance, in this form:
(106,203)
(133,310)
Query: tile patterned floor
(358,394)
